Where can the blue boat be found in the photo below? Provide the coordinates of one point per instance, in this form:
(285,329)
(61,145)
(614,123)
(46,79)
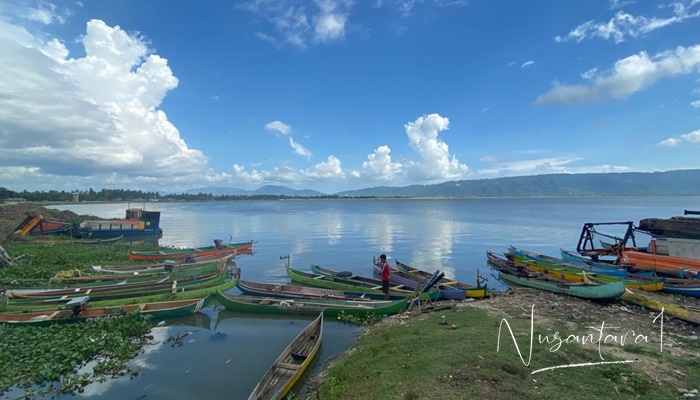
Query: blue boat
(603,270)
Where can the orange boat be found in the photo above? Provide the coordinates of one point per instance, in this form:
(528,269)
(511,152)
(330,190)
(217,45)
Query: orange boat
(654,261)
(218,250)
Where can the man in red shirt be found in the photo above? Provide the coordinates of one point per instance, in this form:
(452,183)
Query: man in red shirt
(386,273)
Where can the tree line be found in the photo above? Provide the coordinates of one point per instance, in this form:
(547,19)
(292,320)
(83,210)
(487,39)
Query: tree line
(135,195)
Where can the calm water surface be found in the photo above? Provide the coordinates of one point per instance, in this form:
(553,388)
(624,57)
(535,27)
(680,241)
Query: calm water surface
(225,353)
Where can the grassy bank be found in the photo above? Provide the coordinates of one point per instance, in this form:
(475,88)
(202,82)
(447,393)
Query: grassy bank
(452,355)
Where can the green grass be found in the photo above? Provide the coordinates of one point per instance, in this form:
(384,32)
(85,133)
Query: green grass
(424,359)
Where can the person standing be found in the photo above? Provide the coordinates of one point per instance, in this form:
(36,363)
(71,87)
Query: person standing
(386,274)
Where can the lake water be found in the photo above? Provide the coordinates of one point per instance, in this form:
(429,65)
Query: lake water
(227,353)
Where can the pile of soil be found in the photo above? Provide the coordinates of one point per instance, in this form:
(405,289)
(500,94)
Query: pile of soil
(12,215)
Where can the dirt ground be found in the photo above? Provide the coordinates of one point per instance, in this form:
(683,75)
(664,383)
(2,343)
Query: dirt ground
(11,215)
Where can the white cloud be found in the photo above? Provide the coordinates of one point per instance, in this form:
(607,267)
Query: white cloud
(551,165)
(616,4)
(629,75)
(670,142)
(278,126)
(489,159)
(527,64)
(510,64)
(435,160)
(692,137)
(331,169)
(405,7)
(379,165)
(623,25)
(695,104)
(299,149)
(300,23)
(94,115)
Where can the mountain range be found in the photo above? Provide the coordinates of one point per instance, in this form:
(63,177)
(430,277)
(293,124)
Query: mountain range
(669,183)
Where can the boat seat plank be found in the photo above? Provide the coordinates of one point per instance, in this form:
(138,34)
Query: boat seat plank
(290,366)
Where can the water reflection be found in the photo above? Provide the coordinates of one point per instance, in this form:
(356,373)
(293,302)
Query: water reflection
(380,230)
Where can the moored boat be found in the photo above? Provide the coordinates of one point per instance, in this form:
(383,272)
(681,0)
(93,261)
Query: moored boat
(78,311)
(574,275)
(291,364)
(605,270)
(219,249)
(446,284)
(513,275)
(415,281)
(305,292)
(364,285)
(330,308)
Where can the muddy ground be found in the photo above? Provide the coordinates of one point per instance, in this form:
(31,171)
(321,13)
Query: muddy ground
(12,215)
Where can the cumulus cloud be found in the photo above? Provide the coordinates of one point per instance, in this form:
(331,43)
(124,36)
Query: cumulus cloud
(300,23)
(695,104)
(327,170)
(278,126)
(550,165)
(692,137)
(435,159)
(527,64)
(93,115)
(623,24)
(628,76)
(379,165)
(299,149)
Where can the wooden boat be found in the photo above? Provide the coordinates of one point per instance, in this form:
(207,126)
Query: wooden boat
(685,287)
(415,281)
(172,270)
(175,264)
(330,308)
(654,261)
(513,275)
(166,285)
(674,227)
(604,270)
(669,305)
(165,309)
(305,292)
(374,283)
(291,364)
(220,250)
(574,275)
(355,285)
(471,291)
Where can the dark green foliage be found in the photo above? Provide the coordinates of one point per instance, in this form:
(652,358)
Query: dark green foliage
(34,355)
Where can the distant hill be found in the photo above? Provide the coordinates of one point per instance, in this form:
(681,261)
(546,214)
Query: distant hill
(269,190)
(670,183)
(273,190)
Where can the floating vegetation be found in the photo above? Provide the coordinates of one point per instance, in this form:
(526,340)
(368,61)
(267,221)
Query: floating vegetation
(37,263)
(31,356)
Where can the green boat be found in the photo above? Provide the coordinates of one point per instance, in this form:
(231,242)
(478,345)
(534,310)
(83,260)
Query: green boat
(330,308)
(76,310)
(513,275)
(367,285)
(224,280)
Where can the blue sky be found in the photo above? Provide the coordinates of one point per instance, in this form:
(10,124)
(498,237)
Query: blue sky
(341,94)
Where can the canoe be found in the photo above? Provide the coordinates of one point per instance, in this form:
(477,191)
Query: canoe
(574,275)
(143,275)
(354,284)
(165,309)
(667,304)
(161,266)
(415,281)
(305,292)
(605,270)
(221,250)
(523,277)
(685,287)
(330,308)
(291,364)
(471,291)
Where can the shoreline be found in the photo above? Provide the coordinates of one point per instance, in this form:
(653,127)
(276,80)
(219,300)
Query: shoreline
(666,369)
